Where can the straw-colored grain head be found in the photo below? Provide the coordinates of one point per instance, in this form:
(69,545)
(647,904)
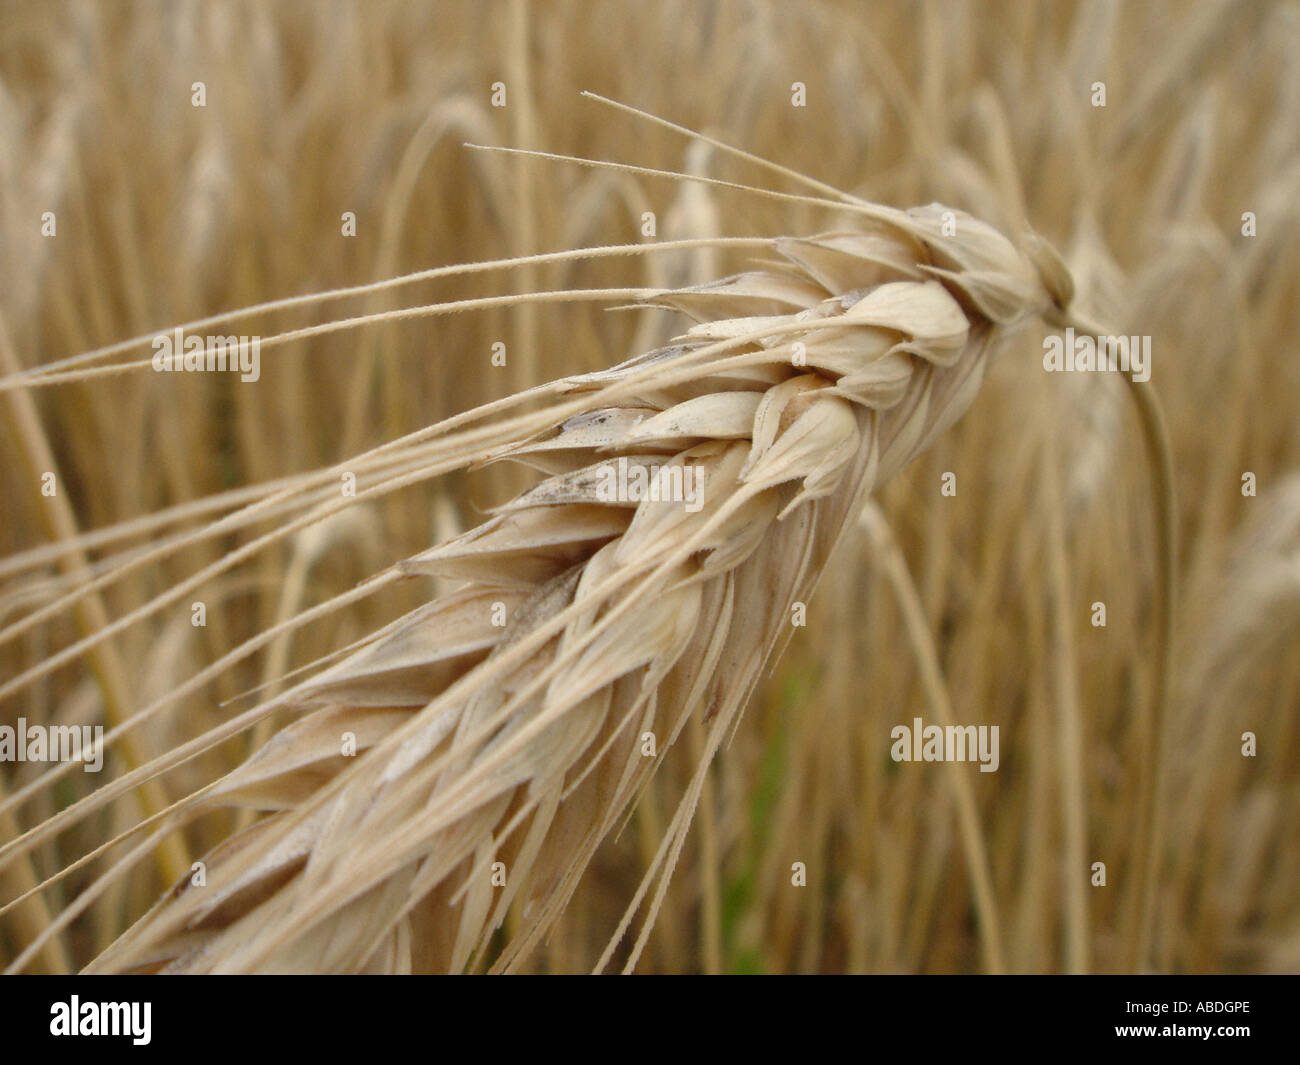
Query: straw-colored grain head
(473,755)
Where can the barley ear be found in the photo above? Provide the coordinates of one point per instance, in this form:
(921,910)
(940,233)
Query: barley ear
(497,729)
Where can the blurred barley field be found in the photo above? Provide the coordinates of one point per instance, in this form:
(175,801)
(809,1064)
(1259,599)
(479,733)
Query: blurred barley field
(1175,205)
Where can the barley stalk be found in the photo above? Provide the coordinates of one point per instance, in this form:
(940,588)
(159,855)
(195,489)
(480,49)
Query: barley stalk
(798,390)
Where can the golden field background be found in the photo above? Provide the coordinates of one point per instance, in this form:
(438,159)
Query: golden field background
(168,212)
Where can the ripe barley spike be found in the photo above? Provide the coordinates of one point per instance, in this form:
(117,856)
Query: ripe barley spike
(500,730)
